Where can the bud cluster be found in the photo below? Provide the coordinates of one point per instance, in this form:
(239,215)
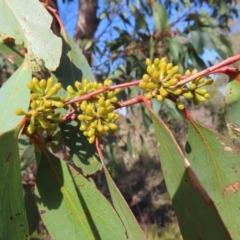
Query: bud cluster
(43,103)
(97,114)
(161,79)
(194,88)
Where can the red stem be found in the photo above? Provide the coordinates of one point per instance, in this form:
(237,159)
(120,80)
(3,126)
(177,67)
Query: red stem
(218,68)
(99,150)
(45,4)
(187,114)
(104,89)
(55,14)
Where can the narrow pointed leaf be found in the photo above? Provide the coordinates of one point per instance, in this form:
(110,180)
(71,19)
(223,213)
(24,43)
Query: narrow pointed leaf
(70,206)
(30,29)
(14,94)
(13,220)
(196,216)
(33,216)
(216,162)
(12,53)
(28,157)
(82,152)
(73,65)
(133,230)
(160,17)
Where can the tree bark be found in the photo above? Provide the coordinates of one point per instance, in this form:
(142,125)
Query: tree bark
(87,23)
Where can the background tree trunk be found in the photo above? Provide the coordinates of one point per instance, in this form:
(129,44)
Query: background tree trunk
(86,24)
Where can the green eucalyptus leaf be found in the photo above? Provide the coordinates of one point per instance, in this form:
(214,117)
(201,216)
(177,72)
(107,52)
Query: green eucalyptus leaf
(12,53)
(73,65)
(67,198)
(82,152)
(196,214)
(13,220)
(14,94)
(21,23)
(215,160)
(133,230)
(232,106)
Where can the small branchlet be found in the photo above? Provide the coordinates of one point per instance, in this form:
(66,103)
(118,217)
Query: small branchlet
(94,103)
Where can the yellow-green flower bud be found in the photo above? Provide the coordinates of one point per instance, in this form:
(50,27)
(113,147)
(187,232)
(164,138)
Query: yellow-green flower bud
(58,104)
(110,94)
(188,95)
(91,139)
(83,127)
(156,61)
(78,85)
(180,105)
(156,75)
(106,128)
(200,98)
(163,92)
(175,91)
(107,102)
(34,96)
(160,98)
(208,82)
(101,110)
(112,126)
(43,123)
(50,82)
(89,111)
(192,86)
(101,102)
(148,96)
(100,128)
(30,129)
(151,85)
(207,95)
(48,104)
(31,86)
(150,70)
(148,62)
(201,91)
(111,115)
(85,133)
(33,105)
(81,117)
(34,113)
(94,124)
(114,99)
(19,112)
(188,72)
(142,85)
(43,83)
(169,66)
(91,132)
(70,90)
(58,86)
(145,77)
